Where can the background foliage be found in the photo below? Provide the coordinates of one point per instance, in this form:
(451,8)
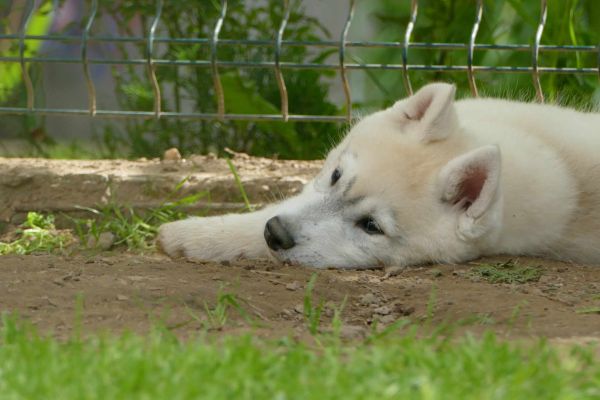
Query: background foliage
(254,90)
(569,22)
(246,90)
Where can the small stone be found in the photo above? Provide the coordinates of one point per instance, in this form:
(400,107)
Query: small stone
(299,308)
(393,271)
(293,286)
(329,309)
(50,301)
(436,273)
(104,241)
(172,154)
(383,310)
(122,297)
(58,281)
(106,260)
(352,332)
(387,319)
(404,310)
(368,299)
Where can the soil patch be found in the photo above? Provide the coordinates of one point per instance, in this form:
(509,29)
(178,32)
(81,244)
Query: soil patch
(67,186)
(124,291)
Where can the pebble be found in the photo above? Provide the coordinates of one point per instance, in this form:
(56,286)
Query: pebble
(436,273)
(368,299)
(293,286)
(393,270)
(352,332)
(104,241)
(172,154)
(383,310)
(387,319)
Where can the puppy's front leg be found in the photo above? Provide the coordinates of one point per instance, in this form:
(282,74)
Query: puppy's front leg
(218,238)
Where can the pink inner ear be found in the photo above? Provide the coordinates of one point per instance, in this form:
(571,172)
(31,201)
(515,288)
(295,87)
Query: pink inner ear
(471,186)
(422,107)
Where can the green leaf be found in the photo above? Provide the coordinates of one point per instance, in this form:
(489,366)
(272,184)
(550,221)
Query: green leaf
(242,97)
(10,72)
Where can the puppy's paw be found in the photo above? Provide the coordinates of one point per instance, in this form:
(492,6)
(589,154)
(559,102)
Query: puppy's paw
(205,239)
(218,238)
(171,239)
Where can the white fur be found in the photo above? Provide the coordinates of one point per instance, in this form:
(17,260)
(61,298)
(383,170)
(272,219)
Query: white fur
(445,181)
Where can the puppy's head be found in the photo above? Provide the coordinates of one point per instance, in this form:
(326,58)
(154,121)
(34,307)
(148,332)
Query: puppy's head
(404,187)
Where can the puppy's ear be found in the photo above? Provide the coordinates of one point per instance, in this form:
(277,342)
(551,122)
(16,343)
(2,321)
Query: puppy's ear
(430,111)
(471,184)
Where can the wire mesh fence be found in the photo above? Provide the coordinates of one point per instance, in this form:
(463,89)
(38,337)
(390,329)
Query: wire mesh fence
(210,46)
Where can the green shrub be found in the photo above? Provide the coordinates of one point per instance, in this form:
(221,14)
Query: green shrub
(251,90)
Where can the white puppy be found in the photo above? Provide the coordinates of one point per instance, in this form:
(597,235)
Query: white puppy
(429,180)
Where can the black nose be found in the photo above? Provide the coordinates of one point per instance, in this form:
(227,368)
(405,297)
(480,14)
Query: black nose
(277,236)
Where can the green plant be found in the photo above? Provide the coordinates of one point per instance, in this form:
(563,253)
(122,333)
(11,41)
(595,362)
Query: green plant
(312,312)
(569,22)
(217,316)
(133,228)
(588,310)
(507,272)
(10,73)
(36,234)
(157,366)
(240,186)
(336,320)
(252,90)
(13,92)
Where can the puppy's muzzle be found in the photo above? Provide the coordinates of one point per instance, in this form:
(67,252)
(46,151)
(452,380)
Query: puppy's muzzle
(277,236)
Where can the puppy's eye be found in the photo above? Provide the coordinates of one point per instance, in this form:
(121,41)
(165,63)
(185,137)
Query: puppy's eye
(335,176)
(369,225)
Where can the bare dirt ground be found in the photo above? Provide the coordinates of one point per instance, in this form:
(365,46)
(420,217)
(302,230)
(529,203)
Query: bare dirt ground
(65,186)
(132,292)
(123,291)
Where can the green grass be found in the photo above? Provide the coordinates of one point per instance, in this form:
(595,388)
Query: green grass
(159,366)
(238,182)
(589,310)
(312,312)
(36,235)
(218,315)
(132,228)
(506,272)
